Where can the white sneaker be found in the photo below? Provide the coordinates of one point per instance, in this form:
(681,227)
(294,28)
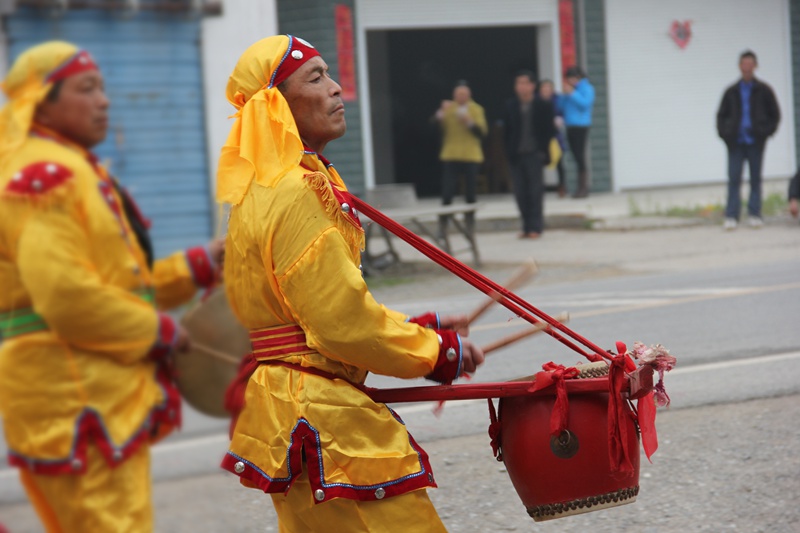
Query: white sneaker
(755,222)
(730,224)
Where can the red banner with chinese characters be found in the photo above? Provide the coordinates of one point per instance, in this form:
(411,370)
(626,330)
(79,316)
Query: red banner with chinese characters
(566,23)
(345,48)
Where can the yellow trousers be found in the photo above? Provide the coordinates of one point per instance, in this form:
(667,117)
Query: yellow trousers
(101,500)
(410,512)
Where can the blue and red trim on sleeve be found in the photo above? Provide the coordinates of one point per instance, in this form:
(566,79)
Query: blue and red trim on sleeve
(428,320)
(166,338)
(449,364)
(201,265)
(451,354)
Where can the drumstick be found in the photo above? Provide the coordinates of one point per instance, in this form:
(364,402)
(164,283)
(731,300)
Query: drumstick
(216,354)
(520,277)
(514,337)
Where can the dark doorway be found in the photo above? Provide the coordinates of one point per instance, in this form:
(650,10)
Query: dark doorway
(412,71)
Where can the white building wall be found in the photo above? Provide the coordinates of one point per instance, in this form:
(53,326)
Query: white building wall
(225,38)
(426,14)
(663,100)
(391,14)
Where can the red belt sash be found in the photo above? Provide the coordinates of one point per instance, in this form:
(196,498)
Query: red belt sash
(268,344)
(278,341)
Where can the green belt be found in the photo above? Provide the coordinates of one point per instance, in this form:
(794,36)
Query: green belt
(26,320)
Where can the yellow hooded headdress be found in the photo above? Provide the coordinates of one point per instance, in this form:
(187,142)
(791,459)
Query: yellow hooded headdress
(264,143)
(26,86)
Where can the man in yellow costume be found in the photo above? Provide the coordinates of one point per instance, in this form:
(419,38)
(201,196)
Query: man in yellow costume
(333,459)
(84,383)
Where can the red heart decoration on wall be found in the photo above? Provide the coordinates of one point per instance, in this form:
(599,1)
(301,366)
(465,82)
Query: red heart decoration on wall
(681,32)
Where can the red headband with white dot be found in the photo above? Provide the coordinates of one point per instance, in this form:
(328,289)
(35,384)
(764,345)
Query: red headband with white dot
(297,54)
(80,62)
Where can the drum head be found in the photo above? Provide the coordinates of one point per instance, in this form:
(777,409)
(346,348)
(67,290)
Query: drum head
(218,344)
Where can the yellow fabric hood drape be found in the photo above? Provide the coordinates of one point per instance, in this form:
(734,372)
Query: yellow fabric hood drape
(26,86)
(264,143)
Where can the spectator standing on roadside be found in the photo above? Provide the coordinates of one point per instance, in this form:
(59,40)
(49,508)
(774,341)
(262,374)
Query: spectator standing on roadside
(548,93)
(463,124)
(577,103)
(747,116)
(529,127)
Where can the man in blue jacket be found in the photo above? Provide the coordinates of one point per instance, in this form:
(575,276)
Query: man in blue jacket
(747,115)
(577,103)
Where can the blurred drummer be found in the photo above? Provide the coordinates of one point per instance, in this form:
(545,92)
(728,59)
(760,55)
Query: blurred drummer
(331,458)
(84,387)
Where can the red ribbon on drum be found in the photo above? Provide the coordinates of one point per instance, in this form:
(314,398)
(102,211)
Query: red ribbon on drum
(554,374)
(645,413)
(618,452)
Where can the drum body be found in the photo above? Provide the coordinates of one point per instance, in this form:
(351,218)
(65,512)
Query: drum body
(569,474)
(218,342)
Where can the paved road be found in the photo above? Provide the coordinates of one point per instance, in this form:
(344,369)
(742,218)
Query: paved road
(728,312)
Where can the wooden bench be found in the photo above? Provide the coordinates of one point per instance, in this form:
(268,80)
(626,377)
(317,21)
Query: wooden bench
(399,202)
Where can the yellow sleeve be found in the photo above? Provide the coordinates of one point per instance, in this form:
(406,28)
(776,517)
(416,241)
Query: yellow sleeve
(177,277)
(395,315)
(329,299)
(55,267)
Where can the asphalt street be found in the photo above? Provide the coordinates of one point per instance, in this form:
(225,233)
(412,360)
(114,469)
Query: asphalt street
(726,306)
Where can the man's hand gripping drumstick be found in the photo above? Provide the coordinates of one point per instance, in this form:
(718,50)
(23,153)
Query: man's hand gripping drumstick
(474,355)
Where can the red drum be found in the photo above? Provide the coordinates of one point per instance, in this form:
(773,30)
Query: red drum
(570,473)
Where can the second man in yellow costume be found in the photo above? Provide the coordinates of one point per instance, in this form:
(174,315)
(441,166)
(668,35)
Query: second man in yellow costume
(331,457)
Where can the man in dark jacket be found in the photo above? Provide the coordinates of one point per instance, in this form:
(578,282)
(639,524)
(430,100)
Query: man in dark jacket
(747,115)
(529,127)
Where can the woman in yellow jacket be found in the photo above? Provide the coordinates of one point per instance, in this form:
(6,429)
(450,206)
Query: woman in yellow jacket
(463,125)
(84,387)
(333,459)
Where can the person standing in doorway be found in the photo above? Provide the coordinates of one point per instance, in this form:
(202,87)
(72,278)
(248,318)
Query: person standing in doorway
(747,115)
(548,93)
(577,103)
(529,127)
(463,124)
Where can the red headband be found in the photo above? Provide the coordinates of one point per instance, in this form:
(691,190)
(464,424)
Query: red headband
(80,62)
(299,52)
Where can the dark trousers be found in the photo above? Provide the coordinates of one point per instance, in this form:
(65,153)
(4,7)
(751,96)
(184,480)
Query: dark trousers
(452,170)
(737,154)
(528,176)
(562,178)
(577,137)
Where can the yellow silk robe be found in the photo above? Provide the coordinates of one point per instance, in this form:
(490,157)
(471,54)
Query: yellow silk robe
(70,263)
(292,258)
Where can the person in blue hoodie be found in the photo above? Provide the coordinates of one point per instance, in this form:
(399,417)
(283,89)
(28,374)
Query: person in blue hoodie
(577,103)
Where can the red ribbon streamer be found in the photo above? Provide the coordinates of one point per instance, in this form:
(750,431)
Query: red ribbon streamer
(554,374)
(646,407)
(619,453)
(494,430)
